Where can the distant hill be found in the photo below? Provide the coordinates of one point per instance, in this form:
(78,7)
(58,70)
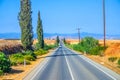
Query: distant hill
(53,35)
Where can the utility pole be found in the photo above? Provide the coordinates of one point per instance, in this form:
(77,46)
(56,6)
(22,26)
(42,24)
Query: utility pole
(78,34)
(104,23)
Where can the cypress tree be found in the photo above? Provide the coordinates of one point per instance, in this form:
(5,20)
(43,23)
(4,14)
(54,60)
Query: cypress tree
(25,22)
(40,32)
(64,40)
(57,40)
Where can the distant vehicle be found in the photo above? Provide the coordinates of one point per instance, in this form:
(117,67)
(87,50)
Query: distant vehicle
(60,46)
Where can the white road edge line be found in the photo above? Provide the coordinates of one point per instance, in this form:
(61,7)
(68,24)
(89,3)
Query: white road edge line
(99,68)
(42,67)
(69,67)
(94,65)
(39,70)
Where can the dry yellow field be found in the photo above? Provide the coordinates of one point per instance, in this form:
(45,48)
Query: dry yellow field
(10,44)
(48,42)
(112,50)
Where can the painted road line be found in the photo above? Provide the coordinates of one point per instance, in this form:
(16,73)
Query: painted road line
(98,68)
(42,67)
(94,65)
(69,67)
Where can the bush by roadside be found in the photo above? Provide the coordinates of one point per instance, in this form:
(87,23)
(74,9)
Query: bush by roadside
(88,45)
(46,47)
(21,58)
(112,59)
(43,51)
(40,52)
(18,59)
(119,61)
(4,63)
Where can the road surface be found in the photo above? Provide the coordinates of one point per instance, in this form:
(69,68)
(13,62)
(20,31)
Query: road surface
(65,64)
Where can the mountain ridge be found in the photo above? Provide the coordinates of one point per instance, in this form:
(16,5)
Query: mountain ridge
(62,35)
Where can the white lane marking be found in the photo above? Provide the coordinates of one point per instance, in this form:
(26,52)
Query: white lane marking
(98,68)
(69,67)
(42,67)
(94,65)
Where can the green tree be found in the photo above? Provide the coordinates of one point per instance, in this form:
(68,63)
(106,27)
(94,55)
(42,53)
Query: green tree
(64,40)
(57,40)
(89,43)
(40,32)
(4,63)
(25,22)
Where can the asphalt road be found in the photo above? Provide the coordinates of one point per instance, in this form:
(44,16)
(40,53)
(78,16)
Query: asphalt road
(65,64)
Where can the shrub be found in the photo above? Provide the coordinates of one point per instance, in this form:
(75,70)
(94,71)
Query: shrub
(47,47)
(36,46)
(112,59)
(96,50)
(4,63)
(40,52)
(29,52)
(119,61)
(88,45)
(18,59)
(29,58)
(77,47)
(1,72)
(13,63)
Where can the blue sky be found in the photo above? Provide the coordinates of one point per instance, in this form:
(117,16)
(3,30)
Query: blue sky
(64,16)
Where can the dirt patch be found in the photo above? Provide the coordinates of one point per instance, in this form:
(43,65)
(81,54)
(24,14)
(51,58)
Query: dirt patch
(19,72)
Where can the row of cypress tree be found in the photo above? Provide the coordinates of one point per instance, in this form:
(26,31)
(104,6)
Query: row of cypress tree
(25,22)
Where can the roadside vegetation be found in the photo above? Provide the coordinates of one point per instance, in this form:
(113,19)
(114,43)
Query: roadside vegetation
(114,60)
(30,51)
(4,64)
(88,45)
(91,46)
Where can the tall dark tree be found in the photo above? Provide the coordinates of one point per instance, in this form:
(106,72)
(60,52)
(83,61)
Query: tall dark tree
(25,22)
(64,40)
(57,40)
(40,32)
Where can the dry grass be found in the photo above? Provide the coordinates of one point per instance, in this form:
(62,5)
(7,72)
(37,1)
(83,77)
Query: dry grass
(72,41)
(9,42)
(47,41)
(12,45)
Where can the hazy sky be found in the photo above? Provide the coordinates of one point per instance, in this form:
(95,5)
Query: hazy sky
(64,16)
